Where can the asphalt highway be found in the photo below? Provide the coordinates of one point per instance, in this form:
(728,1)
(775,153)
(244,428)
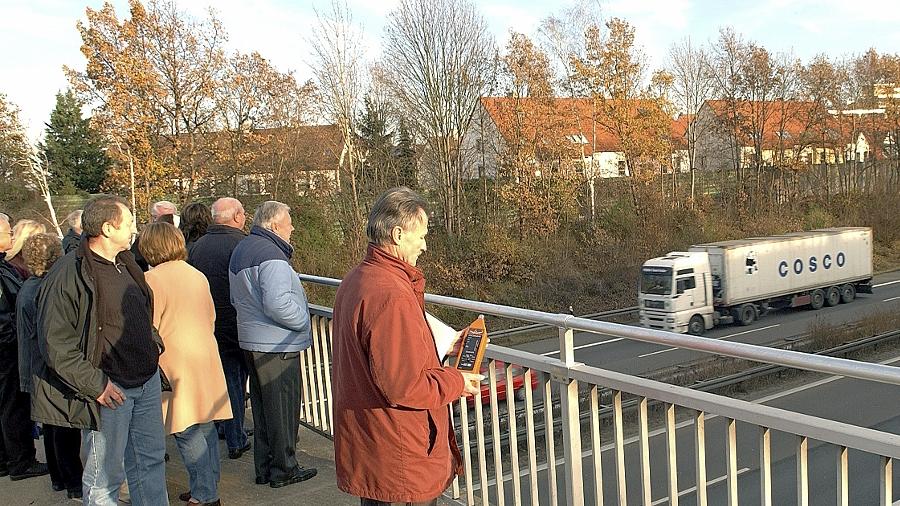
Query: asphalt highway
(636,357)
(851,401)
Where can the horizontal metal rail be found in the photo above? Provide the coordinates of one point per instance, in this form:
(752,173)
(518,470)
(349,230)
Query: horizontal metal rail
(707,385)
(592,316)
(571,414)
(794,359)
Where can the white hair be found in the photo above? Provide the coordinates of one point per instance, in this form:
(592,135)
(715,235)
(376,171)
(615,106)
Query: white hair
(162,207)
(268,213)
(224,209)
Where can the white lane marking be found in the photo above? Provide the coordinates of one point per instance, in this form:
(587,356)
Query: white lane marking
(892,298)
(886,283)
(686,423)
(657,352)
(694,489)
(754,330)
(589,345)
(717,339)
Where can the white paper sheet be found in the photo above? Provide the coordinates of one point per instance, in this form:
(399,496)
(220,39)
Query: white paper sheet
(444,335)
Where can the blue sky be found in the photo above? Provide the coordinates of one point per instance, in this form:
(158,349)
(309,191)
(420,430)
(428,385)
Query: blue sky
(39,36)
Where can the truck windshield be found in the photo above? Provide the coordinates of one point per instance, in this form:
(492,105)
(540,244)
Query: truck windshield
(656,280)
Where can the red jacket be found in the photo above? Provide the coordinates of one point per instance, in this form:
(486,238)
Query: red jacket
(392,437)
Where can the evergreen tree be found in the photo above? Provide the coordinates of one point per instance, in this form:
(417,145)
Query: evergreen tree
(74,149)
(405,157)
(376,141)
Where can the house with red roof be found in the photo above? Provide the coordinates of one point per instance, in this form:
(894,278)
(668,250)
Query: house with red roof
(792,134)
(553,133)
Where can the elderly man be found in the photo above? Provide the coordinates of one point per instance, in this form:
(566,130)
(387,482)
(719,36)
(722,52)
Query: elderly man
(16,444)
(73,237)
(95,332)
(273,328)
(159,211)
(392,437)
(210,255)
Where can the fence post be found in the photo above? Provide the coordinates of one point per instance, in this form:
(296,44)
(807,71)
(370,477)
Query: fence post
(571,425)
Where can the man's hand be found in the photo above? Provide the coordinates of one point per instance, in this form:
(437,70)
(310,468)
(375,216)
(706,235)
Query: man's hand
(111,397)
(472,382)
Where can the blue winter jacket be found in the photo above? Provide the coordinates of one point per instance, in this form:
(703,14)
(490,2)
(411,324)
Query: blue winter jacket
(272,312)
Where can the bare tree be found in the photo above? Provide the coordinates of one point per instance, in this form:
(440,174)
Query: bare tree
(692,86)
(440,60)
(340,70)
(19,158)
(727,58)
(561,36)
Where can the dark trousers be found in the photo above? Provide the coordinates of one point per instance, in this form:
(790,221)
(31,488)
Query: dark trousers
(234,364)
(275,404)
(372,502)
(63,448)
(17,441)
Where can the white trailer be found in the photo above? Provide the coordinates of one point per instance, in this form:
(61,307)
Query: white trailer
(740,280)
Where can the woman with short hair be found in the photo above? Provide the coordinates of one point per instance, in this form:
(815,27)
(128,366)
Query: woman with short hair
(20,233)
(184,315)
(62,445)
(196,217)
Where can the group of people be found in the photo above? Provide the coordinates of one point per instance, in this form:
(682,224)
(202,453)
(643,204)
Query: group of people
(112,358)
(111,340)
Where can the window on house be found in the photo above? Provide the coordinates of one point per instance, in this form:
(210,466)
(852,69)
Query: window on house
(253,186)
(623,168)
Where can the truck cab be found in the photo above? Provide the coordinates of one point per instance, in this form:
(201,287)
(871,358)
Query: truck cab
(676,293)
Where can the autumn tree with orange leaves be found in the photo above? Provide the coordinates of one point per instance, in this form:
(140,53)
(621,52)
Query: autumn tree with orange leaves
(538,180)
(613,73)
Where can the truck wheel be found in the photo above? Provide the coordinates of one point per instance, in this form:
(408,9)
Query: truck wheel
(746,314)
(832,296)
(848,293)
(697,325)
(817,299)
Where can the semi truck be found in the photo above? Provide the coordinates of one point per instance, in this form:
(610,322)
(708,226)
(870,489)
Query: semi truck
(739,281)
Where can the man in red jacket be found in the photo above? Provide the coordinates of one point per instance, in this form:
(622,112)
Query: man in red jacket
(392,437)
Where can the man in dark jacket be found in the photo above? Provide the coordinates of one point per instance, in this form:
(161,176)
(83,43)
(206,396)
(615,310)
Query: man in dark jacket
(210,255)
(72,238)
(95,333)
(16,444)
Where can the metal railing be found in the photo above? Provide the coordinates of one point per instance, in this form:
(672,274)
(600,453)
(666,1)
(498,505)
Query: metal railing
(532,469)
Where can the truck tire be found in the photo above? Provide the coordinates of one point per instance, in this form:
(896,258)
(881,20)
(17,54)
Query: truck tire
(817,299)
(848,293)
(697,326)
(746,314)
(832,296)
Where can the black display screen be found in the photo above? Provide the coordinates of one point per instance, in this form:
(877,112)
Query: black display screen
(469,352)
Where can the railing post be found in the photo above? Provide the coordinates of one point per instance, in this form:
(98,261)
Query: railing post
(571,424)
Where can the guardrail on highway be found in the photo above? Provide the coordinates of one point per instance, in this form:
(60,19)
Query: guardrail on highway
(546,475)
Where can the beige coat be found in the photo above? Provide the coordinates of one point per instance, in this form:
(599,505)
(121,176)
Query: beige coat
(183,314)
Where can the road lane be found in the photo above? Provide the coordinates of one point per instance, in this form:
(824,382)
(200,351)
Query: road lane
(636,357)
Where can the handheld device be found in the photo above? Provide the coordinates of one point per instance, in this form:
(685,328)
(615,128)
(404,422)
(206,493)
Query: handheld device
(471,353)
